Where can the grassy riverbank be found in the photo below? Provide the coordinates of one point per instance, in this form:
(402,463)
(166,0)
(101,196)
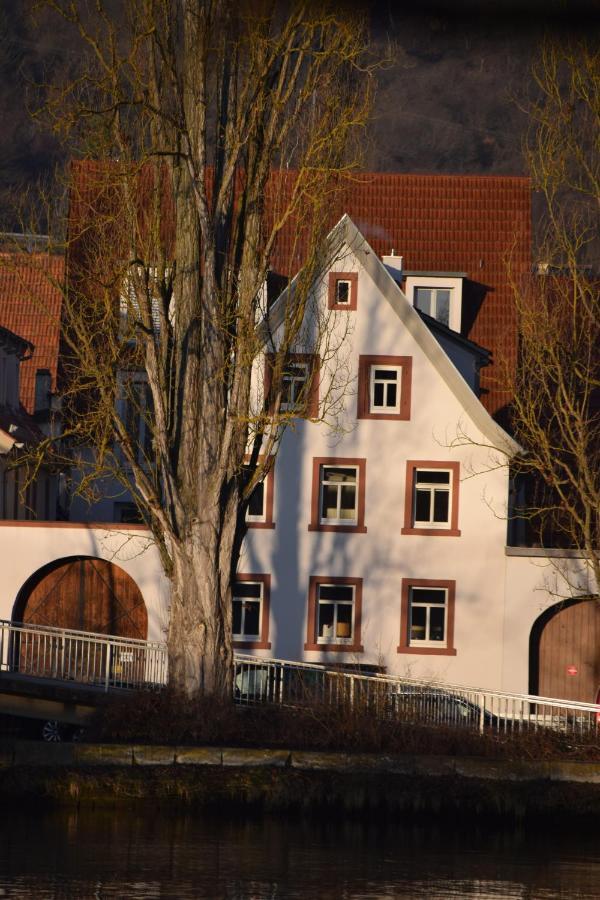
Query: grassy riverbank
(371,785)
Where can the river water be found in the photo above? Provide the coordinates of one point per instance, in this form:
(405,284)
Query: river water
(75,855)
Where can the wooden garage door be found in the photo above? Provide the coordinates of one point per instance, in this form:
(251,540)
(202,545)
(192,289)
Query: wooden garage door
(87,595)
(569,653)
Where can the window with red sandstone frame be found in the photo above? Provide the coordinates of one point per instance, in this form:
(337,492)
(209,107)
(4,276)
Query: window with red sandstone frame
(431,499)
(250,613)
(334,614)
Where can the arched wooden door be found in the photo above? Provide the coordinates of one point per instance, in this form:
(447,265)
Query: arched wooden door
(84,594)
(566,642)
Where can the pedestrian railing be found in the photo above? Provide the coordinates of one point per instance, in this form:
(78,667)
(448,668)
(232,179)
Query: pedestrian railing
(82,657)
(115,662)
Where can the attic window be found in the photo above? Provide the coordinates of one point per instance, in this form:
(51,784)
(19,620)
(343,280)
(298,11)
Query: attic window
(343,290)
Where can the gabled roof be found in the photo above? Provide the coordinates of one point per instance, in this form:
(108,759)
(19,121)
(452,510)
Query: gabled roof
(30,306)
(346,232)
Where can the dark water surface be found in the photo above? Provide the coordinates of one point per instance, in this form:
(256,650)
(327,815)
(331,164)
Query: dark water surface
(74,855)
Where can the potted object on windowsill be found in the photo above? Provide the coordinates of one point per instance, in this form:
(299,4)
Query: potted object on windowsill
(343,630)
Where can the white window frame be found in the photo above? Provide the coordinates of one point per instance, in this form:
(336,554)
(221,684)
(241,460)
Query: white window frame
(263,516)
(451,282)
(333,638)
(239,586)
(337,300)
(373,408)
(338,520)
(297,385)
(434,302)
(432,487)
(428,606)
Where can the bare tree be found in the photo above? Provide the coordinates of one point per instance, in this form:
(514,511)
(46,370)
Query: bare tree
(556,385)
(182,110)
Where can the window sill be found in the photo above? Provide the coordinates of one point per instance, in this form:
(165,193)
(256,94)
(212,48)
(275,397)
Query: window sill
(385,416)
(433,532)
(336,648)
(427,651)
(252,645)
(260,524)
(357,529)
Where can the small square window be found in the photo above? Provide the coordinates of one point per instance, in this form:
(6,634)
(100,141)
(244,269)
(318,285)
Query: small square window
(343,291)
(384,387)
(384,392)
(294,381)
(431,501)
(427,617)
(250,611)
(432,498)
(338,495)
(338,498)
(334,614)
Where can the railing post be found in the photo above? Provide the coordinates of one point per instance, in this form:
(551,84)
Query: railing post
(107,666)
(481,713)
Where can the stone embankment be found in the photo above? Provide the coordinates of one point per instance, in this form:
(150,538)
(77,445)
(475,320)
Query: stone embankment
(371,784)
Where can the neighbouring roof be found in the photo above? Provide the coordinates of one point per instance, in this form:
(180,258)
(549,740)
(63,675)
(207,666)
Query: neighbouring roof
(15,344)
(30,306)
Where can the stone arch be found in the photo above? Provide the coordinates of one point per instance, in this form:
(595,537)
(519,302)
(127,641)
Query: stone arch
(83,593)
(564,650)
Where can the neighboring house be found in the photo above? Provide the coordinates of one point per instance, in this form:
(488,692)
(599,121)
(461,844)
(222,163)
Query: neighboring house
(381,543)
(21,498)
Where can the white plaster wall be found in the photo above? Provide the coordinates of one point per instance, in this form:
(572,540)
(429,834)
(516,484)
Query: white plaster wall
(534,582)
(383,556)
(27,547)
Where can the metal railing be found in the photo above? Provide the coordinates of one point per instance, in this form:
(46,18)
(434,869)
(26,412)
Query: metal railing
(81,657)
(410,700)
(115,662)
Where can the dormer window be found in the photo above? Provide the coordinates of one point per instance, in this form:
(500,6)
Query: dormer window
(437,294)
(435,302)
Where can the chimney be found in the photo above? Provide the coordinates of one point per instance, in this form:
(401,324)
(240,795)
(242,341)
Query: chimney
(395,265)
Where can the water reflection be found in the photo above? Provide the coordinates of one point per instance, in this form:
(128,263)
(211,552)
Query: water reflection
(139,856)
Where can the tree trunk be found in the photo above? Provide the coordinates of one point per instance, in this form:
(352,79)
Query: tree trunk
(199,640)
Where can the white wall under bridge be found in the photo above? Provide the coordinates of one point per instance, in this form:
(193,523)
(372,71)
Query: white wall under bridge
(535,581)
(26,547)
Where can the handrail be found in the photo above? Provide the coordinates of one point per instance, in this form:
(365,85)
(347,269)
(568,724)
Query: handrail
(112,661)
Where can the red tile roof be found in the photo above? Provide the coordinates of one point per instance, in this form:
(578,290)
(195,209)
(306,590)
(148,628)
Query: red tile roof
(30,306)
(449,223)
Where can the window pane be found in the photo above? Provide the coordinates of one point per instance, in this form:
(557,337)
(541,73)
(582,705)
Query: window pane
(391,395)
(256,506)
(432,476)
(437,618)
(344,620)
(342,291)
(429,595)
(441,504)
(386,375)
(422,500)
(442,307)
(336,592)
(329,502)
(237,617)
(418,618)
(378,394)
(339,475)
(252,618)
(247,589)
(423,300)
(348,501)
(326,616)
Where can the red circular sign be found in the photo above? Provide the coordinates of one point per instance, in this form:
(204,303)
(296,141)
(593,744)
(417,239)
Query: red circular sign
(572,670)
